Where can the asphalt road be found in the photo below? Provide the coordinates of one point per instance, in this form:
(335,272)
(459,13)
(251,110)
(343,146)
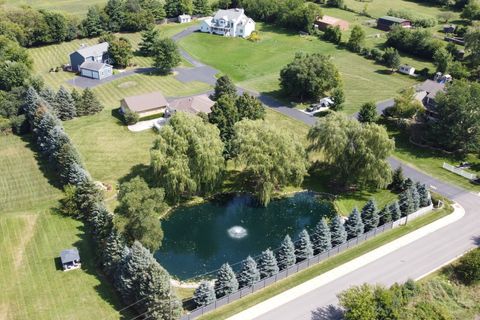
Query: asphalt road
(409,262)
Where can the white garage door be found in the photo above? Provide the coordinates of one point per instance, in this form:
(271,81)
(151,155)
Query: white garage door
(87,73)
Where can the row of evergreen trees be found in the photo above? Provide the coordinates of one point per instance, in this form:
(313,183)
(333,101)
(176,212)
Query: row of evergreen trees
(133,270)
(323,238)
(66,105)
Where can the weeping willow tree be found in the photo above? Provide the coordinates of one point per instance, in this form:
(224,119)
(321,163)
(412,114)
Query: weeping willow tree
(272,158)
(187,158)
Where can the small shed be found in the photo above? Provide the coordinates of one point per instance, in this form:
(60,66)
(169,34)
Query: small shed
(145,105)
(407,69)
(324,22)
(70,259)
(386,23)
(95,70)
(184,18)
(449,28)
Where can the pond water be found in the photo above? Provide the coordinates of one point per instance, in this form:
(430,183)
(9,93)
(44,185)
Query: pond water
(199,239)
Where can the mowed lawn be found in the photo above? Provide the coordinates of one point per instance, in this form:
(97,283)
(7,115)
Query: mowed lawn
(74,7)
(256,66)
(31,238)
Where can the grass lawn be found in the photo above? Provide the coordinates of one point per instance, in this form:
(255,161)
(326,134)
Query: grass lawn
(325,266)
(31,239)
(75,7)
(256,66)
(431,162)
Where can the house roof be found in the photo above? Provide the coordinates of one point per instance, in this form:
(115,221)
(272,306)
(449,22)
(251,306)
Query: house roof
(93,65)
(183,16)
(330,20)
(145,102)
(406,66)
(431,87)
(95,50)
(393,19)
(230,14)
(195,104)
(69,255)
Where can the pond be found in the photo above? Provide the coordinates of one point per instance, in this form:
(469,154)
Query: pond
(199,239)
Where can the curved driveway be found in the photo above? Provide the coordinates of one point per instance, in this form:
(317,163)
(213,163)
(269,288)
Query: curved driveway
(410,262)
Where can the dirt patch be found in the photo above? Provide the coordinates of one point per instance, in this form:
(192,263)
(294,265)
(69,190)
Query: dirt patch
(28,232)
(3,311)
(127,84)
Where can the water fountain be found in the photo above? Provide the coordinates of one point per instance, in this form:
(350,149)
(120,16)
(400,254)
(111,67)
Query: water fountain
(237,232)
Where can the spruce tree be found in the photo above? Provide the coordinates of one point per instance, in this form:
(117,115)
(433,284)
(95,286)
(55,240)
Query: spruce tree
(415,198)
(201,7)
(249,273)
(321,237)
(286,254)
(395,211)
(65,105)
(149,37)
(407,184)
(30,103)
(226,281)
(111,253)
(90,103)
(304,248)
(370,216)
(204,294)
(267,264)
(354,225)
(385,216)
(48,95)
(425,199)
(77,98)
(337,231)
(224,86)
(406,203)
(397,180)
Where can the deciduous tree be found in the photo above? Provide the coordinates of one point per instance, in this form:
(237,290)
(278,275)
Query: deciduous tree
(166,55)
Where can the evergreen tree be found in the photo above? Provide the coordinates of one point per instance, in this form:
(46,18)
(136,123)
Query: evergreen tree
(338,97)
(90,103)
(226,281)
(204,294)
(149,38)
(368,113)
(286,254)
(370,216)
(397,180)
(88,197)
(65,105)
(304,248)
(48,95)
(77,98)
(357,39)
(224,115)
(115,10)
(267,264)
(337,231)
(321,237)
(120,51)
(249,273)
(166,55)
(415,198)
(406,203)
(224,86)
(354,225)
(385,216)
(407,184)
(249,107)
(30,104)
(395,211)
(425,199)
(391,58)
(111,253)
(201,7)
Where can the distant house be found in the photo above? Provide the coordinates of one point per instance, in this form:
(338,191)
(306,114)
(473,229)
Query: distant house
(326,21)
(386,23)
(406,69)
(92,61)
(195,104)
(449,28)
(146,104)
(229,23)
(70,259)
(184,18)
(426,93)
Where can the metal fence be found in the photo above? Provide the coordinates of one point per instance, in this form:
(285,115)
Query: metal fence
(459,171)
(302,265)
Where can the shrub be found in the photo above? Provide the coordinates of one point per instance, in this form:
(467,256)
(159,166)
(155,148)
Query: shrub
(130,117)
(468,269)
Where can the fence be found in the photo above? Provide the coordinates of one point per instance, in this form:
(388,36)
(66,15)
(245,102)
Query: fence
(303,265)
(459,171)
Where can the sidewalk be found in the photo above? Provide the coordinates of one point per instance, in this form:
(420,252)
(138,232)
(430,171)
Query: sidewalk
(348,267)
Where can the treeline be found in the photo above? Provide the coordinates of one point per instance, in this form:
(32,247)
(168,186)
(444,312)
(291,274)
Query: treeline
(325,236)
(133,270)
(418,42)
(417,20)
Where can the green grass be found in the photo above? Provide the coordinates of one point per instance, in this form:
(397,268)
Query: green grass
(75,7)
(31,238)
(430,161)
(256,66)
(325,266)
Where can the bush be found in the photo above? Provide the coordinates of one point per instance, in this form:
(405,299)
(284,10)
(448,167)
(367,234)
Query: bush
(254,36)
(130,117)
(468,269)
(376,54)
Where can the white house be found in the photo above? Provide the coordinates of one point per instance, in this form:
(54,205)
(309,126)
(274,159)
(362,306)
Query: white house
(406,69)
(184,18)
(229,23)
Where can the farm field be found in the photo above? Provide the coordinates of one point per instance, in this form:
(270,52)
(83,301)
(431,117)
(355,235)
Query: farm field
(32,237)
(75,7)
(256,66)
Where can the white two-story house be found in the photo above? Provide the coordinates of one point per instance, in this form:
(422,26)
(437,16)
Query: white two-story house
(229,23)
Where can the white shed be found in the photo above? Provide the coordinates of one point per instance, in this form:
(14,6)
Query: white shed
(406,69)
(184,18)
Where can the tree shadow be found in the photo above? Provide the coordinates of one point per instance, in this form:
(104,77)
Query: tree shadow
(118,116)
(139,170)
(90,265)
(329,312)
(384,72)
